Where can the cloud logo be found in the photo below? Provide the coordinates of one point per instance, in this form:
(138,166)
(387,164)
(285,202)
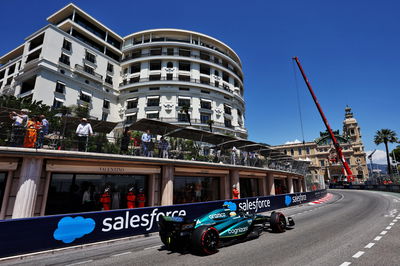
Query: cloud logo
(288,200)
(230,205)
(70,228)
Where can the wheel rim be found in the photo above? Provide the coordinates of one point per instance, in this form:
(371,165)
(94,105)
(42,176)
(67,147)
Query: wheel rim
(282,221)
(210,240)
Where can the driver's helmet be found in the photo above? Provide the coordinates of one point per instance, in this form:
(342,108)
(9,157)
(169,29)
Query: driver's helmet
(232,214)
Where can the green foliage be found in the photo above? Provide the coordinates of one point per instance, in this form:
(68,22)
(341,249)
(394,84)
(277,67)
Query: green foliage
(385,136)
(81,111)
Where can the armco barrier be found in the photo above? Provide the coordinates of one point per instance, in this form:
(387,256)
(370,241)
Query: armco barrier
(20,236)
(390,188)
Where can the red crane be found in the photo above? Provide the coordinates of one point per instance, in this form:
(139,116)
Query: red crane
(347,170)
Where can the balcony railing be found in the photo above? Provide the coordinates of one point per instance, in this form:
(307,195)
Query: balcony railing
(201,57)
(93,74)
(180,79)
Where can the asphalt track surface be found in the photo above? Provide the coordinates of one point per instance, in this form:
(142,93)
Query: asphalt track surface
(352,228)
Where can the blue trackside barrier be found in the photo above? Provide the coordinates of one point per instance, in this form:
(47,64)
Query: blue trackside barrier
(21,236)
(389,188)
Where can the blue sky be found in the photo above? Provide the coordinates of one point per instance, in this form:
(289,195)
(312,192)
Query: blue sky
(350,51)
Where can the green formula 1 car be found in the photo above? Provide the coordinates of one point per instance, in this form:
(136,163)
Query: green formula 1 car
(207,233)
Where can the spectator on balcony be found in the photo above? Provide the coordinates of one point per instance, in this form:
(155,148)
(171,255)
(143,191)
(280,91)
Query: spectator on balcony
(32,128)
(146,137)
(17,130)
(43,130)
(163,146)
(151,148)
(83,131)
(233,155)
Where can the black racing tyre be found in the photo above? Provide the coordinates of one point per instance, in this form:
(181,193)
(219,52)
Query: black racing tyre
(205,240)
(278,222)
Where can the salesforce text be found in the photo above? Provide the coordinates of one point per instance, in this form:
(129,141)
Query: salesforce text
(145,220)
(254,205)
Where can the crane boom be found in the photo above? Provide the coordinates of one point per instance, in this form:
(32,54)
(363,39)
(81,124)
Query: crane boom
(347,171)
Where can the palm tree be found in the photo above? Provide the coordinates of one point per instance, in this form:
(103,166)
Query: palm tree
(185,109)
(386,136)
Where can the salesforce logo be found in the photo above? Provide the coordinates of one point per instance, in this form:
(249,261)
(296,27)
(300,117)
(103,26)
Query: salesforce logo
(230,205)
(288,200)
(70,228)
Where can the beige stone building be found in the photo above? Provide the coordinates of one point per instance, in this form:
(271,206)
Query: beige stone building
(322,155)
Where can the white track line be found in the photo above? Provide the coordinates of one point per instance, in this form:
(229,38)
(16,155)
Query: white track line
(383,233)
(121,254)
(152,247)
(78,263)
(346,263)
(391,224)
(388,228)
(358,254)
(377,238)
(370,245)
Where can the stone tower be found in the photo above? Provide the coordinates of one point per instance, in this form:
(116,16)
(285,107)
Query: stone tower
(351,130)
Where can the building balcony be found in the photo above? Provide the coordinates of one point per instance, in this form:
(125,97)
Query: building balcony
(92,75)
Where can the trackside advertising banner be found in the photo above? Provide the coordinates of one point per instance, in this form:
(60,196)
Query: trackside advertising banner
(21,236)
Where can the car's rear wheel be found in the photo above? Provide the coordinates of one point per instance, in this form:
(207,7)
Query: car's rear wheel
(278,222)
(205,240)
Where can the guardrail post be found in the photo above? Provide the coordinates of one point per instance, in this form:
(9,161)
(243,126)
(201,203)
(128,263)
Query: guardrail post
(270,184)
(29,179)
(167,185)
(290,184)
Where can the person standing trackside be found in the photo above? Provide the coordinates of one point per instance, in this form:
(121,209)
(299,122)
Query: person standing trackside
(131,198)
(83,131)
(141,198)
(235,192)
(145,142)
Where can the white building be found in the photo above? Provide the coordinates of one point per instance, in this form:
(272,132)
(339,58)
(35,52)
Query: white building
(76,60)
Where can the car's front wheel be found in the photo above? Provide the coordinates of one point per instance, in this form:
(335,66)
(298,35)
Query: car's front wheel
(205,240)
(278,222)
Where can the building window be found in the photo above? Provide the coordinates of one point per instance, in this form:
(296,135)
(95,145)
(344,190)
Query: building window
(9,81)
(155,51)
(57,103)
(204,118)
(204,69)
(308,150)
(182,117)
(155,65)
(322,162)
(106,104)
(184,66)
(183,102)
(170,76)
(205,104)
(28,85)
(11,69)
(136,54)
(205,92)
(285,152)
(104,116)
(153,101)
(152,115)
(170,51)
(216,73)
(90,57)
(228,123)
(184,89)
(195,189)
(109,80)
(184,52)
(135,68)
(36,42)
(155,77)
(68,191)
(2,73)
(131,118)
(131,103)
(291,152)
(299,151)
(64,59)
(184,78)
(60,87)
(204,56)
(216,84)
(88,69)
(154,89)
(110,68)
(225,76)
(170,65)
(227,109)
(67,45)
(86,97)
